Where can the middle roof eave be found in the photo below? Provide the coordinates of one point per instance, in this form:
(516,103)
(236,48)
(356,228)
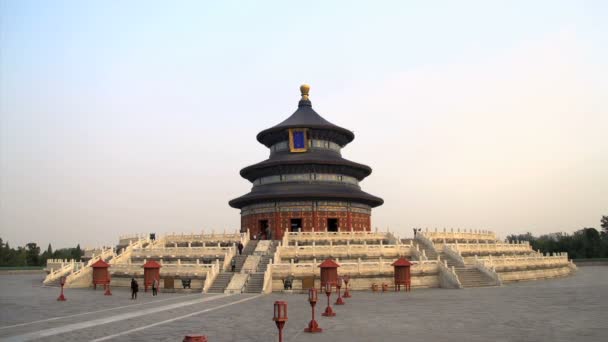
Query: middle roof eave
(310,158)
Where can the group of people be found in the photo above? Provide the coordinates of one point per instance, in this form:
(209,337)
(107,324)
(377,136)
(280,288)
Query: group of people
(135,288)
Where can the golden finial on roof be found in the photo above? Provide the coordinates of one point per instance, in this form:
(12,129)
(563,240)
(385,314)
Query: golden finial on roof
(304,89)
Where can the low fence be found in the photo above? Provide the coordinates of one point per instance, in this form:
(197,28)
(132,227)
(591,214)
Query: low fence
(281,270)
(471,249)
(591,262)
(177,252)
(324,236)
(342,251)
(510,263)
(451,235)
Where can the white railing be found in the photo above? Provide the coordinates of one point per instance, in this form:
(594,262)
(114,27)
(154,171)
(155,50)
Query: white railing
(343,251)
(488,270)
(470,235)
(513,263)
(245,238)
(84,270)
(267,288)
(490,248)
(202,237)
(281,270)
(453,254)
(231,252)
(125,256)
(65,270)
(447,276)
(166,269)
(329,236)
(174,252)
(211,275)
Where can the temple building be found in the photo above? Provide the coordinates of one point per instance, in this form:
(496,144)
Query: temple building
(305,184)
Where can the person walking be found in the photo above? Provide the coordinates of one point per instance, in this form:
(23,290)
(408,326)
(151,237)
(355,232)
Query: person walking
(233,264)
(134,288)
(240,247)
(155,287)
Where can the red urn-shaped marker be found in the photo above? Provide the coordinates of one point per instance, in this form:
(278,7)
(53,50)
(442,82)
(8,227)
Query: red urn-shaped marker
(61,297)
(313,326)
(346,280)
(329,312)
(280,316)
(340,301)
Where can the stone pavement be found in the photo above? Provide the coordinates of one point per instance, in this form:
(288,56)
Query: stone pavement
(566,309)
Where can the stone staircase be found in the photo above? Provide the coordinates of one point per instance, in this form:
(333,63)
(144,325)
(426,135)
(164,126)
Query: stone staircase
(472,277)
(224,277)
(221,282)
(451,262)
(255,284)
(468,276)
(430,253)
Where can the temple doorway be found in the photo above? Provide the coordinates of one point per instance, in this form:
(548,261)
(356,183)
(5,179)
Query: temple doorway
(263,230)
(332,224)
(296,224)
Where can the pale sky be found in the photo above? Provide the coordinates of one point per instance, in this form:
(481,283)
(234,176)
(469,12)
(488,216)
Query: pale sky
(133,117)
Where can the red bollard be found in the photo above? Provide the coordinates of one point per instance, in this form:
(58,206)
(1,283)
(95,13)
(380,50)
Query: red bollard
(108,292)
(338,286)
(61,297)
(329,312)
(346,293)
(313,326)
(280,316)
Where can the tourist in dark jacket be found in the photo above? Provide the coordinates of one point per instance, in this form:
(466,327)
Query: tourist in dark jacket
(233,264)
(155,287)
(240,247)
(134,288)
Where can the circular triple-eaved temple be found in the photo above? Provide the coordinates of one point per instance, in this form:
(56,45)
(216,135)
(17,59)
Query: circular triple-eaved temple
(305,184)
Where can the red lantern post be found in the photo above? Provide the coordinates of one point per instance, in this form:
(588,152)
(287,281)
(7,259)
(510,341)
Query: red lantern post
(280,316)
(108,292)
(61,297)
(346,280)
(313,326)
(340,301)
(329,312)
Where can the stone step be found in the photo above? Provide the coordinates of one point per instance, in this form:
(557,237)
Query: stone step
(221,282)
(255,283)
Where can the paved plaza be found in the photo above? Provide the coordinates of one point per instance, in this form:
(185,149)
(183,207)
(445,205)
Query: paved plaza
(566,309)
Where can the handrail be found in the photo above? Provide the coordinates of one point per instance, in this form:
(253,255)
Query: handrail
(453,254)
(448,276)
(211,275)
(267,287)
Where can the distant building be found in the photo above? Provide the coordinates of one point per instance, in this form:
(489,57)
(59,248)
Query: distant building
(305,184)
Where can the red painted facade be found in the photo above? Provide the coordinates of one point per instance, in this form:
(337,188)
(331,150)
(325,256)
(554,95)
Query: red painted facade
(280,221)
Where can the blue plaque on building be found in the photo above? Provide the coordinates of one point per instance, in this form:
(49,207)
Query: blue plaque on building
(299,139)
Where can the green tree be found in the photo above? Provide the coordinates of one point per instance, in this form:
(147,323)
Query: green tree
(76,253)
(32,254)
(48,254)
(2,252)
(604,225)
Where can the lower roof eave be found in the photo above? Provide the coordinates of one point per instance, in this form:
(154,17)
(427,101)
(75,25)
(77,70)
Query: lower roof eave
(240,202)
